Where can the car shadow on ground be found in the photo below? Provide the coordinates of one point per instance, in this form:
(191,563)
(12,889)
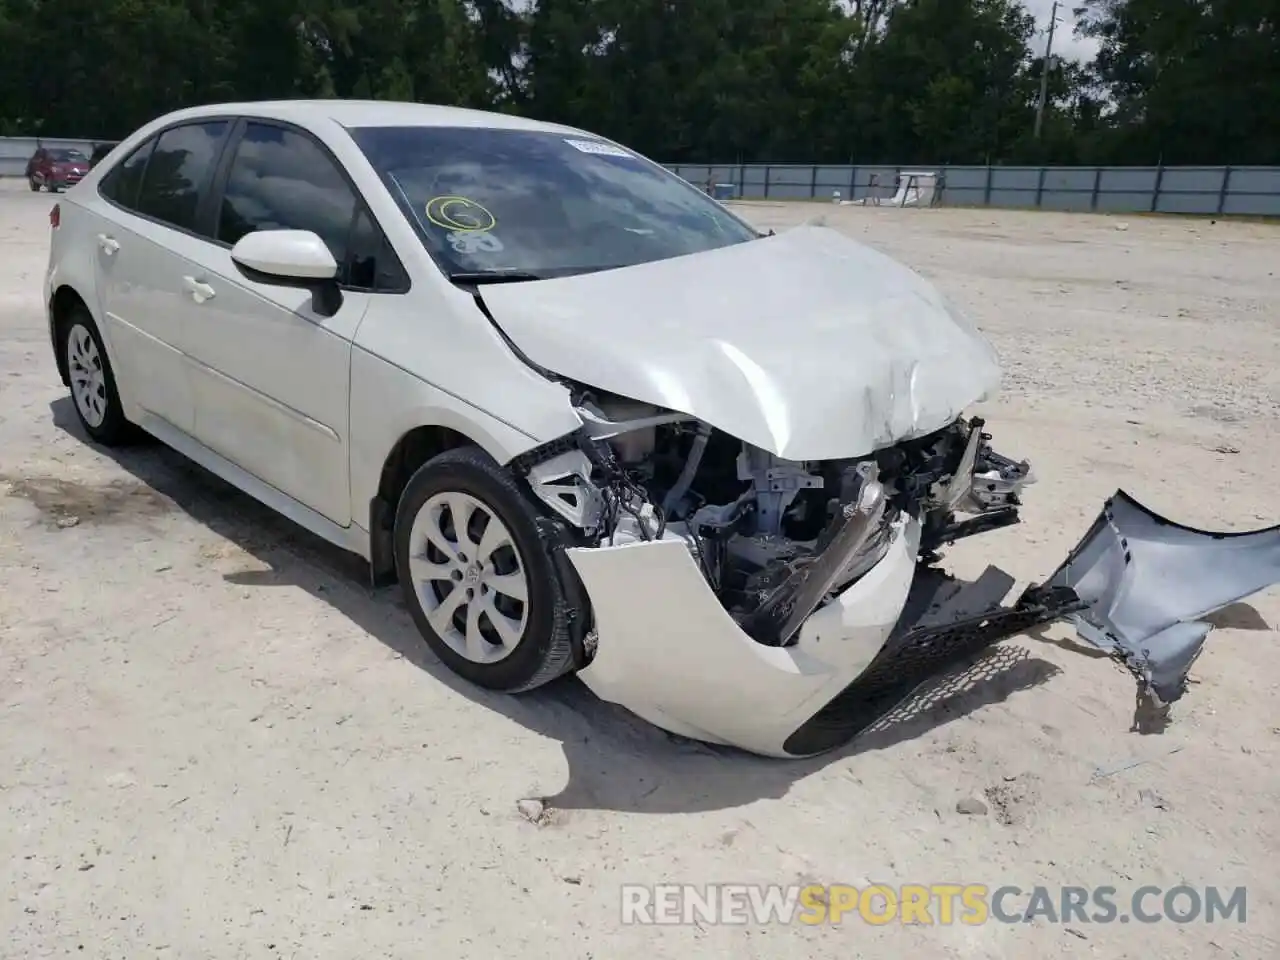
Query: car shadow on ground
(615,760)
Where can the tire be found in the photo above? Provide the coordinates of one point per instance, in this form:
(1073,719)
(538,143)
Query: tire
(35,187)
(487,635)
(93,383)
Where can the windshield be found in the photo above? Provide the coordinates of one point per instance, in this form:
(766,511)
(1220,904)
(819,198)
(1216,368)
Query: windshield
(529,205)
(66,156)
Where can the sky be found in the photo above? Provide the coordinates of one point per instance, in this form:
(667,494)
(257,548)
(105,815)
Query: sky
(1065,43)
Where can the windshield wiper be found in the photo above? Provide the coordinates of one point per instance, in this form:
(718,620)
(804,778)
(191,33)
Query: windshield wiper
(494,276)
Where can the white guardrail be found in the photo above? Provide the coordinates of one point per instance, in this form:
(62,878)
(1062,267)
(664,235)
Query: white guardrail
(16,151)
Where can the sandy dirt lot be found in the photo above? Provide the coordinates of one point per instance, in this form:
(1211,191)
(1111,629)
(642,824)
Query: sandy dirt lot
(218,742)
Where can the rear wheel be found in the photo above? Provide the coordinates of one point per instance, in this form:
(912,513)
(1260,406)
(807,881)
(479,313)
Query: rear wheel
(31,182)
(93,384)
(479,582)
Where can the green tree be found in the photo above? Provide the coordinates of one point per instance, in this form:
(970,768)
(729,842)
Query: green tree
(831,81)
(1193,81)
(948,81)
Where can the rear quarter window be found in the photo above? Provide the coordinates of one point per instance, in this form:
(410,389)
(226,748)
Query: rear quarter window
(122,181)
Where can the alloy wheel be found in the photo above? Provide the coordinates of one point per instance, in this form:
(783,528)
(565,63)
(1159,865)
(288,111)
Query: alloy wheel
(88,379)
(469,577)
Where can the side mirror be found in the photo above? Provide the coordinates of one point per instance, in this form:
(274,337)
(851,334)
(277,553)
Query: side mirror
(297,256)
(293,258)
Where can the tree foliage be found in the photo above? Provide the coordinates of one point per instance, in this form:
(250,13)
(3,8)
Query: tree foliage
(900,81)
(1194,81)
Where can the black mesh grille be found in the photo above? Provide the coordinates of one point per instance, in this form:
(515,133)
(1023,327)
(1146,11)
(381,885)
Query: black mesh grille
(904,664)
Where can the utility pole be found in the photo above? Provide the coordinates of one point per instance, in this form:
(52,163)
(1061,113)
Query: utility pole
(1044,70)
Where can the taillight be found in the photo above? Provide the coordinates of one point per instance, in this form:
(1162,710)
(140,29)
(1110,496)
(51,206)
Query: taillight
(55,217)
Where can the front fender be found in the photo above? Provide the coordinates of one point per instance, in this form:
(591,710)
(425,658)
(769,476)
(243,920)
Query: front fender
(388,402)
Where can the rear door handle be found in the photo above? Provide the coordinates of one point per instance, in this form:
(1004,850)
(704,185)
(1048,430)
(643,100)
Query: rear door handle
(199,290)
(108,244)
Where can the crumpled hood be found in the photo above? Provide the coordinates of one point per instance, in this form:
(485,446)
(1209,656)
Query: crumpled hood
(807,344)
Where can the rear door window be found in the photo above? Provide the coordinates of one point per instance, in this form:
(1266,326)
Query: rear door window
(179,172)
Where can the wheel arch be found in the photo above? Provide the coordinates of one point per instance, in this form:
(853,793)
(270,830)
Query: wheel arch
(410,451)
(64,302)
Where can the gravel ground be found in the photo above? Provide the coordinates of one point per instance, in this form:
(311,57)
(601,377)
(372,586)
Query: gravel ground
(219,743)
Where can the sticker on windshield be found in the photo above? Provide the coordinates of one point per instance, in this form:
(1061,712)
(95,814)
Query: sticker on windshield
(468,242)
(460,215)
(599,148)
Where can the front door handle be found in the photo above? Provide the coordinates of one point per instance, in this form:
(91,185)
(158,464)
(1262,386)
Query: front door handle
(199,290)
(108,244)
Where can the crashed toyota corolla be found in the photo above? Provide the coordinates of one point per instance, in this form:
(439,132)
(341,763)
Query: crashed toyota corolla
(590,418)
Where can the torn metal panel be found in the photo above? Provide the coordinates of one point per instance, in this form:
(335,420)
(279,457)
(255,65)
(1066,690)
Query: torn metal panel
(1147,581)
(776,620)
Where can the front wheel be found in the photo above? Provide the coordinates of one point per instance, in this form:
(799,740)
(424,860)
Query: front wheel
(480,584)
(35,186)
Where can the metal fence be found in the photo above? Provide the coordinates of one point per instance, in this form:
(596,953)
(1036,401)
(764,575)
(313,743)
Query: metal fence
(1246,191)
(1241,191)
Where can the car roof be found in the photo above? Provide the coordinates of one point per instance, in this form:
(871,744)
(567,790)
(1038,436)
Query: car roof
(370,113)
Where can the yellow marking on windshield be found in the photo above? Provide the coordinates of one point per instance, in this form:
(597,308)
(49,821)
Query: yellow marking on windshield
(460,215)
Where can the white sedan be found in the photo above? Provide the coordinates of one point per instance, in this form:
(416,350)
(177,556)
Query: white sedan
(588,417)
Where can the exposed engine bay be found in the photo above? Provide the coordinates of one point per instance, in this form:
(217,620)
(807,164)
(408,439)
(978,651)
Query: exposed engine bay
(820,591)
(773,538)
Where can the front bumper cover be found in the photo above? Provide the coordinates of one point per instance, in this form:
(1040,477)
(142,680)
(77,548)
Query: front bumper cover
(1135,587)
(1144,582)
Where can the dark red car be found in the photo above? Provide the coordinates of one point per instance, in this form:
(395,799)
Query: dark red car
(56,168)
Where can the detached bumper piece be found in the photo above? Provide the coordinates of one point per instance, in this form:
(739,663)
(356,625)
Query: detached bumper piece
(1135,586)
(1146,581)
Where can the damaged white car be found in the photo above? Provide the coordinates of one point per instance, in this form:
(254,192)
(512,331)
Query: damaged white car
(591,419)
